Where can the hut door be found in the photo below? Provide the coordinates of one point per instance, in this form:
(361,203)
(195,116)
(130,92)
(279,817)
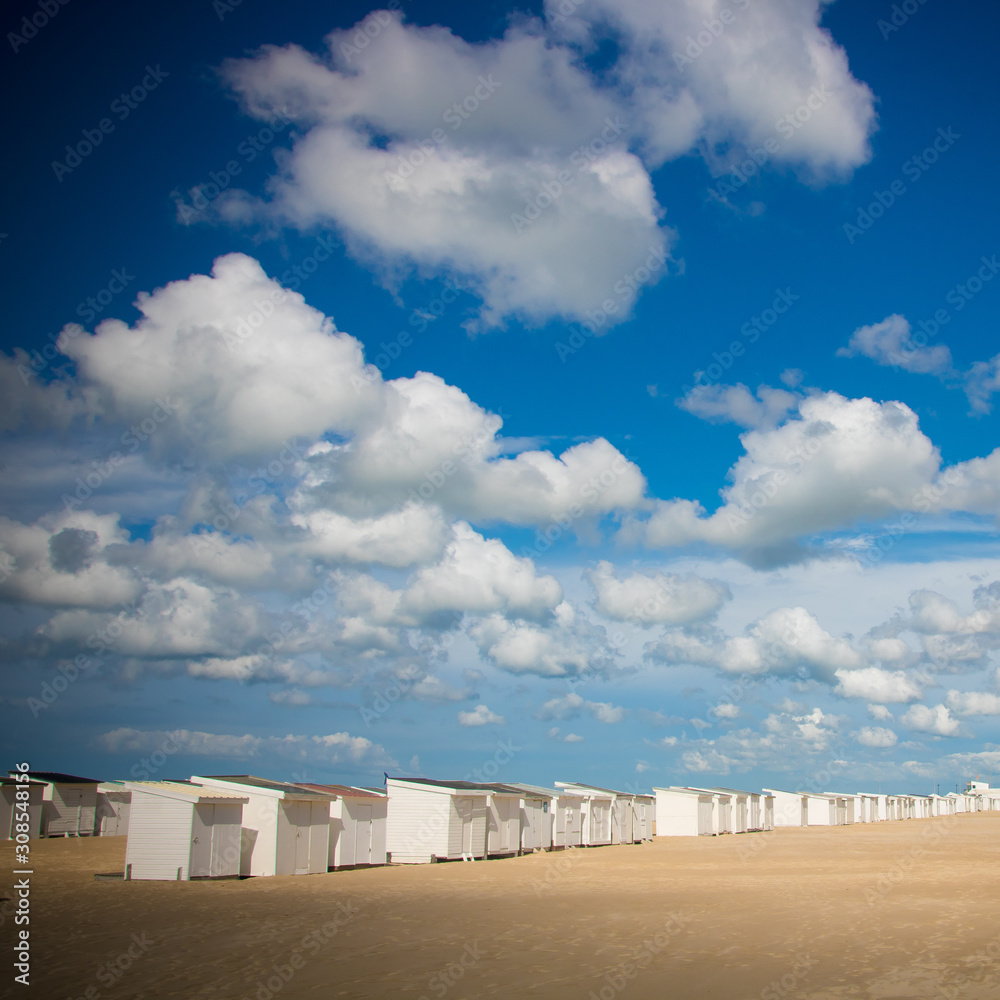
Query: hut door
(363,835)
(705,818)
(465,809)
(201,841)
(298,817)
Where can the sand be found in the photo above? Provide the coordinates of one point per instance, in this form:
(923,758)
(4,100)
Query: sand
(901,909)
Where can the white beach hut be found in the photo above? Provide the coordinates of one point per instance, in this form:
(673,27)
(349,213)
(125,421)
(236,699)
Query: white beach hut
(684,812)
(286,828)
(567,827)
(32,792)
(596,812)
(789,808)
(357,825)
(433,820)
(179,831)
(538,814)
(69,803)
(644,811)
(114,800)
(622,811)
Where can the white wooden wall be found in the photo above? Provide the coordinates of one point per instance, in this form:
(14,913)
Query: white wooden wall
(159,837)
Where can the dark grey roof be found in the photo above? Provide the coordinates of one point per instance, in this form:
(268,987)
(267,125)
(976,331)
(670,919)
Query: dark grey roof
(275,786)
(57,777)
(463,786)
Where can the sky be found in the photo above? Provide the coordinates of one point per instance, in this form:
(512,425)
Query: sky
(583,390)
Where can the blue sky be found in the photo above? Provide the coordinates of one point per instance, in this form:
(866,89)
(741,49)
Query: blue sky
(389,386)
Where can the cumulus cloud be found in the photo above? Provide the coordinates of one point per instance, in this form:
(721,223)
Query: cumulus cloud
(658,598)
(737,404)
(804,98)
(472,135)
(891,343)
(725,710)
(569,646)
(334,748)
(936,721)
(572,705)
(967,703)
(787,641)
(876,736)
(480,716)
(838,461)
(877,684)
(512,165)
(879,712)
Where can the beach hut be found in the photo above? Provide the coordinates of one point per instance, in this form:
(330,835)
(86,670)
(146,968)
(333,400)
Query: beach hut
(179,831)
(596,812)
(790,808)
(538,814)
(434,820)
(622,811)
(568,823)
(114,800)
(357,825)
(69,803)
(644,810)
(286,828)
(32,792)
(684,812)
(740,808)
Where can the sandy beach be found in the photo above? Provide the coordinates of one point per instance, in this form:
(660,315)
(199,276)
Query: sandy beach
(901,909)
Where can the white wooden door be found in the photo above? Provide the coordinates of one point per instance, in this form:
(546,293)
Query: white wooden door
(201,841)
(298,817)
(465,810)
(363,835)
(705,818)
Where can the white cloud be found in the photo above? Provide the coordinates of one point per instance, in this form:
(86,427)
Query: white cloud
(737,404)
(839,461)
(891,343)
(876,684)
(424,149)
(480,716)
(876,736)
(571,705)
(725,710)
(567,647)
(658,598)
(335,748)
(785,641)
(879,712)
(795,65)
(973,703)
(572,738)
(444,191)
(936,720)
